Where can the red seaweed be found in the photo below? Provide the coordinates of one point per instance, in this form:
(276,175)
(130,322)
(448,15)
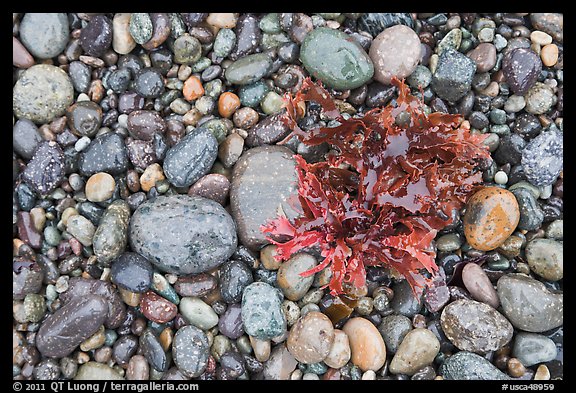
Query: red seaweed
(381,200)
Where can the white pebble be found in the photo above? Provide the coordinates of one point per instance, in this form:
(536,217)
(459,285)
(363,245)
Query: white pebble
(501,177)
(82,143)
(82,97)
(310,377)
(123,120)
(296,375)
(545,191)
(369,375)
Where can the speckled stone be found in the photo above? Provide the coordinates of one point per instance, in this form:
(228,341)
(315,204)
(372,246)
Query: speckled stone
(417,350)
(190,350)
(492,215)
(157,309)
(151,348)
(521,68)
(132,272)
(475,327)
(70,325)
(336,59)
(234,277)
(94,371)
(393,329)
(395,52)
(191,158)
(546,258)
(45,35)
(366,344)
(262,311)
(542,158)
(46,170)
(289,278)
(96,37)
(311,338)
(82,229)
(528,304)
(42,93)
(106,153)
(453,75)
(212,186)
(111,236)
(469,366)
(183,234)
(262,181)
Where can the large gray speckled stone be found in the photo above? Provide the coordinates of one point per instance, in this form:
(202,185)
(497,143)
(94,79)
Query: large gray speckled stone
(262,311)
(263,180)
(45,35)
(542,158)
(42,93)
(470,367)
(453,76)
(191,158)
(106,153)
(183,234)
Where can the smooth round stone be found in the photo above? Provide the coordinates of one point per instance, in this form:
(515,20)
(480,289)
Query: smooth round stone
(106,153)
(191,158)
(263,179)
(550,23)
(187,49)
(160,30)
(452,78)
(475,327)
(82,229)
(212,186)
(248,69)
(311,338)
(280,365)
(555,230)
(230,150)
(395,52)
(124,348)
(223,20)
(469,366)
(151,175)
(143,124)
(198,313)
(96,37)
(404,302)
(234,277)
(122,41)
(190,350)
(70,325)
(421,76)
(262,311)
(546,258)
(366,344)
(417,350)
(521,68)
(340,352)
(100,187)
(528,304)
(45,35)
(21,58)
(492,214)
(289,278)
(449,242)
(478,285)
(93,371)
(111,236)
(549,55)
(531,348)
(156,308)
(140,27)
(149,83)
(514,104)
(393,329)
(484,55)
(138,369)
(542,158)
(531,215)
(337,60)
(183,234)
(539,99)
(132,272)
(26,138)
(268,131)
(251,95)
(151,348)
(42,93)
(230,323)
(195,285)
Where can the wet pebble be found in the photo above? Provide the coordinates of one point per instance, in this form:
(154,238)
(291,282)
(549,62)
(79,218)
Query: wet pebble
(230,323)
(106,153)
(453,75)
(195,285)
(521,68)
(25,138)
(539,99)
(478,285)
(469,366)
(156,308)
(531,215)
(532,348)
(289,278)
(212,186)
(546,258)
(140,27)
(484,55)
(280,365)
(187,49)
(528,304)
(100,187)
(198,313)
(82,229)
(96,37)
(262,311)
(368,350)
(21,58)
(542,158)
(190,350)
(152,350)
(234,277)
(417,350)
(248,69)
(93,371)
(45,35)
(404,302)
(310,338)
(149,83)
(122,40)
(143,124)
(138,369)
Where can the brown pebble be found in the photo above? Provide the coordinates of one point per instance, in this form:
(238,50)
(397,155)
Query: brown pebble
(549,55)
(151,175)
(311,338)
(228,103)
(100,187)
(515,368)
(166,338)
(366,344)
(542,373)
(156,308)
(27,231)
(193,88)
(138,369)
(130,298)
(492,214)
(212,186)
(245,118)
(21,58)
(230,150)
(133,180)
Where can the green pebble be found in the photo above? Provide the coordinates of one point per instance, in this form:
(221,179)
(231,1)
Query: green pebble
(465,45)
(217,128)
(52,236)
(180,106)
(272,103)
(201,64)
(163,288)
(110,337)
(177,26)
(451,40)
(243,344)
(141,27)
(502,264)
(187,49)
(224,42)
(167,97)
(270,23)
(316,368)
(213,88)
(34,307)
(251,95)
(500,129)
(248,69)
(273,40)
(498,116)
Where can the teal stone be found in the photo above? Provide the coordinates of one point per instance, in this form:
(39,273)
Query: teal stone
(162,287)
(251,95)
(249,69)
(270,23)
(224,42)
(261,311)
(217,128)
(336,59)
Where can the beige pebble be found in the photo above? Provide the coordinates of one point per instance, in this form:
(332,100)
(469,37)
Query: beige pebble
(261,348)
(540,38)
(94,341)
(491,90)
(100,187)
(549,55)
(152,174)
(222,19)
(340,352)
(122,41)
(38,216)
(130,298)
(515,368)
(67,213)
(366,344)
(311,338)
(267,257)
(542,373)
(418,349)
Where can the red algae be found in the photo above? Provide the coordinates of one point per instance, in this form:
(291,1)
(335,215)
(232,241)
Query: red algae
(406,172)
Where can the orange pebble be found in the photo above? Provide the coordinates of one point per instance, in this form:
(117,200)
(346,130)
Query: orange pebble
(193,88)
(228,103)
